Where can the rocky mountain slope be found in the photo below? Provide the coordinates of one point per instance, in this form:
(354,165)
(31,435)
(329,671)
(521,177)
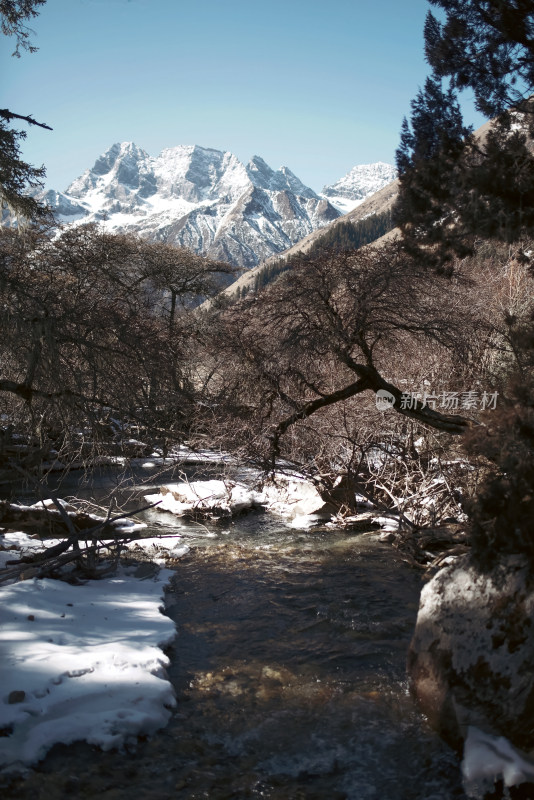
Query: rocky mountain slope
(207,200)
(378,203)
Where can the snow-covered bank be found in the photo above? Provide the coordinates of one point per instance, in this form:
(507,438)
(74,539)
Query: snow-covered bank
(293,498)
(82,663)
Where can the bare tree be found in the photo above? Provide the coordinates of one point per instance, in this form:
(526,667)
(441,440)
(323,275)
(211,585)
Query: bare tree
(87,332)
(335,327)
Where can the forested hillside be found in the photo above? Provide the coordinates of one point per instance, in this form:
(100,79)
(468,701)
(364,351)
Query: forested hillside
(337,239)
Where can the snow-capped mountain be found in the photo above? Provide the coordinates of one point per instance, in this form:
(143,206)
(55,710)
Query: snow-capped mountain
(198,198)
(359,184)
(208,201)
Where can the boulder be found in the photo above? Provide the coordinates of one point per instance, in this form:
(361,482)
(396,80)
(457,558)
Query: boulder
(470,662)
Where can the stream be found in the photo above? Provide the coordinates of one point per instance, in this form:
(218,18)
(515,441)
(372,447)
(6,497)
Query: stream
(289,672)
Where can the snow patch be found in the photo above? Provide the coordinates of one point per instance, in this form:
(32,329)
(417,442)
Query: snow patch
(82,663)
(488,759)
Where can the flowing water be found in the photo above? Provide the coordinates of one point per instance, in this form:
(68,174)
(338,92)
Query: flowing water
(289,670)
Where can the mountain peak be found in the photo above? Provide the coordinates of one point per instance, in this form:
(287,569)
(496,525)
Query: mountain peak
(123,163)
(260,173)
(197,197)
(358,184)
(117,152)
(283,180)
(295,184)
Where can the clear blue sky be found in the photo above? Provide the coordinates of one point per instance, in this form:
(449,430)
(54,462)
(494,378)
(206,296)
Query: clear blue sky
(316,86)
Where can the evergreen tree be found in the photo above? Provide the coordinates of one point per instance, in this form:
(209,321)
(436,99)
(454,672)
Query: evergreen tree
(454,187)
(486,46)
(16,175)
(429,161)
(347,236)
(13,14)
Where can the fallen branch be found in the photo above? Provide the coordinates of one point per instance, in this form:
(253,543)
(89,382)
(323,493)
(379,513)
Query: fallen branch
(73,533)
(81,526)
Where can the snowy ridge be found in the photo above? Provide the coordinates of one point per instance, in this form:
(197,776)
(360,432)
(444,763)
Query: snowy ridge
(359,184)
(196,197)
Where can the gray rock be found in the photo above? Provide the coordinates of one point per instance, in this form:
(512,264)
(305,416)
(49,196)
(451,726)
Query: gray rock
(471,658)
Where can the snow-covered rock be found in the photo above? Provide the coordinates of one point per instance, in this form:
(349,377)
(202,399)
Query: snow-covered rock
(66,209)
(488,759)
(294,498)
(357,185)
(207,497)
(196,197)
(470,660)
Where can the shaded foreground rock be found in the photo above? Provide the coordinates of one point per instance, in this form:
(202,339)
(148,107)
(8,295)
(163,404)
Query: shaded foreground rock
(471,656)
